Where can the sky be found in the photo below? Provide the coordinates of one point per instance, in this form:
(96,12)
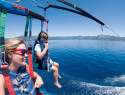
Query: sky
(63,23)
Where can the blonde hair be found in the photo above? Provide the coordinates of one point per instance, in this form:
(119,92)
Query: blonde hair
(10,45)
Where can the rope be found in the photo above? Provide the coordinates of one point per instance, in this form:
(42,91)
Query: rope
(101,28)
(111,30)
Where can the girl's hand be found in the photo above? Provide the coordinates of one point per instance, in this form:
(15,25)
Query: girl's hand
(38,82)
(46,45)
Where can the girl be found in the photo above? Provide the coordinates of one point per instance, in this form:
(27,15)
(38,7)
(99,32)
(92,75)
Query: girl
(15,56)
(43,59)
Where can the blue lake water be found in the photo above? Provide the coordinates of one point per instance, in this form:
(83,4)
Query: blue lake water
(88,67)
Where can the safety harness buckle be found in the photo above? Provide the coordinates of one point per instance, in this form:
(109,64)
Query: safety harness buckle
(5,69)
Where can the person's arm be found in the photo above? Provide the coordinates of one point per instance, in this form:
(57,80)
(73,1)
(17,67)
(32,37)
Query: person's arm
(40,54)
(38,81)
(38,78)
(2,88)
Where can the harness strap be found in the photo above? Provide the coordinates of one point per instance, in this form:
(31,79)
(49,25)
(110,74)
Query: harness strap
(28,30)
(8,82)
(4,65)
(46,25)
(31,69)
(42,25)
(26,26)
(46,21)
(30,62)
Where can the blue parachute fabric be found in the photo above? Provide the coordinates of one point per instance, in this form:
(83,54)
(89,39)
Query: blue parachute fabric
(11,8)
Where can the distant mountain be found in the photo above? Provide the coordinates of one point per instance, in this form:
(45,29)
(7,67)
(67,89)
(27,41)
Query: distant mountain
(110,37)
(98,37)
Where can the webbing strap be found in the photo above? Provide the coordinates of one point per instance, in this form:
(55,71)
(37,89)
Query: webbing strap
(26,27)
(30,62)
(46,25)
(2,62)
(7,79)
(31,69)
(2,29)
(9,84)
(30,28)
(28,34)
(41,25)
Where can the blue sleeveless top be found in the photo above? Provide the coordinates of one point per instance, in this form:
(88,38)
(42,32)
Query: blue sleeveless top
(22,82)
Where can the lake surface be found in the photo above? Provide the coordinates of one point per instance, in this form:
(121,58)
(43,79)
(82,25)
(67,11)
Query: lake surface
(87,67)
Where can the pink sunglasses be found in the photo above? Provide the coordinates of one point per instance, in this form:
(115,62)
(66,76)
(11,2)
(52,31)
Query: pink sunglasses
(21,52)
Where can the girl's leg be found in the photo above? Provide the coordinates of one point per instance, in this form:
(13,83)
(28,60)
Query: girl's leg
(55,75)
(56,64)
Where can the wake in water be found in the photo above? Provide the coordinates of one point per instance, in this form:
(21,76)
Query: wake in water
(83,88)
(118,80)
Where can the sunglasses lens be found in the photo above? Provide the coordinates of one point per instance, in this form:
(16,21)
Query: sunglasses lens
(24,51)
(20,51)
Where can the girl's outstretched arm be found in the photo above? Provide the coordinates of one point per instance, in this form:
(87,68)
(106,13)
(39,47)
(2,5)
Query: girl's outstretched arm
(2,85)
